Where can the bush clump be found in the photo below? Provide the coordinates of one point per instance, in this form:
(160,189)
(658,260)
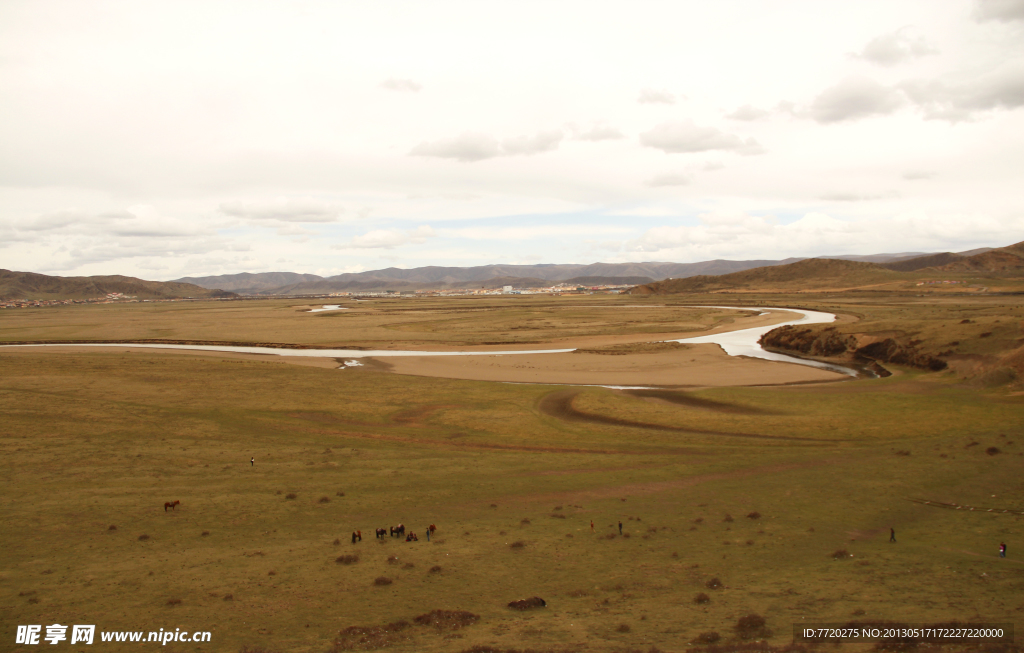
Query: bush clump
(447,619)
(364,638)
(709,637)
(347,559)
(380,581)
(752,626)
(702,598)
(714,584)
(753,515)
(291,495)
(841,554)
(518,544)
(527,604)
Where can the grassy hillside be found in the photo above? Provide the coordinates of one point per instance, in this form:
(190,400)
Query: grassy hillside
(809,274)
(775,502)
(29,285)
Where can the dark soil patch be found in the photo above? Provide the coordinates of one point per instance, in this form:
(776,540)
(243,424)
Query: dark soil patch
(691,401)
(559,404)
(528,604)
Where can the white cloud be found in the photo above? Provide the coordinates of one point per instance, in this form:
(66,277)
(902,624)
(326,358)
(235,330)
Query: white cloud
(1002,10)
(895,48)
(956,98)
(655,96)
(684,136)
(917,175)
(540,142)
(748,113)
(855,98)
(600,133)
(858,197)
(283,209)
(668,180)
(389,238)
(531,232)
(473,146)
(407,85)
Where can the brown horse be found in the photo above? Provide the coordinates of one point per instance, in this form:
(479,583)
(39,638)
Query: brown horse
(170,504)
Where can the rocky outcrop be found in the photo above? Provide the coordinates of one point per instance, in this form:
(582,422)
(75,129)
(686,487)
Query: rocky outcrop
(830,343)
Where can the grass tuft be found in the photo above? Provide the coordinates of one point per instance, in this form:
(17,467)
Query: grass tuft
(443,620)
(702,598)
(752,626)
(436,569)
(623,628)
(112,528)
(841,554)
(518,544)
(324,499)
(291,496)
(380,581)
(143,537)
(528,604)
(714,584)
(709,637)
(347,559)
(753,515)
(173,601)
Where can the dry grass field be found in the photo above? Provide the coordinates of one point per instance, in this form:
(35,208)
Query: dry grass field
(747,495)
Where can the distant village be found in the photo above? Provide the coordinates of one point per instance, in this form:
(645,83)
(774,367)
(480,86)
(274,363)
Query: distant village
(558,289)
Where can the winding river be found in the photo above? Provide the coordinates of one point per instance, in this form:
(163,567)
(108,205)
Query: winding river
(742,342)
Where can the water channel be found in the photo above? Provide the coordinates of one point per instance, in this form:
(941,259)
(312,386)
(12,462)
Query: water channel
(742,342)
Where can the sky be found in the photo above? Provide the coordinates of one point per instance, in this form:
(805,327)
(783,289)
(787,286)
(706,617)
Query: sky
(170,139)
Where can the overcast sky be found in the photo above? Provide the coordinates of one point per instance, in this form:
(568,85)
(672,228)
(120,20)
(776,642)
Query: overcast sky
(165,139)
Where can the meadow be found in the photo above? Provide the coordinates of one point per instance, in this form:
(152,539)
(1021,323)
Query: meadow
(773,501)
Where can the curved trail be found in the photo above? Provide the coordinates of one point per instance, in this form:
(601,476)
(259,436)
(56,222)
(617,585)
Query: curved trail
(559,404)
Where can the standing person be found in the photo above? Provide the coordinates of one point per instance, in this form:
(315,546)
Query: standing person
(591,525)
(252,461)
(620,528)
(892,534)
(428,533)
(360,535)
(1002,549)
(353,537)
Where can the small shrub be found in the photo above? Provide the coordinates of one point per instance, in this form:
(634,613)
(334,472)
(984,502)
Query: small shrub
(229,597)
(494,505)
(675,554)
(518,544)
(699,520)
(366,638)
(709,637)
(339,494)
(750,542)
(524,522)
(173,601)
(841,554)
(436,569)
(527,604)
(557,515)
(625,535)
(271,573)
(751,626)
(714,584)
(753,515)
(347,559)
(112,528)
(558,507)
(324,499)
(985,335)
(392,560)
(204,534)
(143,537)
(408,565)
(623,628)
(569,535)
(702,598)
(610,536)
(992,451)
(380,581)
(337,540)
(727,518)
(291,496)
(902,452)
(447,619)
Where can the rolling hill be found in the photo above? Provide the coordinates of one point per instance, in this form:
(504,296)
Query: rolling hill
(29,285)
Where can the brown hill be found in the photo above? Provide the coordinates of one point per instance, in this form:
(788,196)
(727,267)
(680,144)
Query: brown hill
(921,262)
(809,274)
(1002,261)
(29,285)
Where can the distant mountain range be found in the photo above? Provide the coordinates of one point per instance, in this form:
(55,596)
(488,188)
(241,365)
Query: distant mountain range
(496,276)
(838,273)
(829,271)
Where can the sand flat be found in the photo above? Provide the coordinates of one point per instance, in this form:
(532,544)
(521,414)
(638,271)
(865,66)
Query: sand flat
(699,365)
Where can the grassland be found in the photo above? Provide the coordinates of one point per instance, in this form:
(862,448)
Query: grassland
(98,439)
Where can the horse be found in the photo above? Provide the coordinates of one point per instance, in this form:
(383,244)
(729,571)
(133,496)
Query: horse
(381,532)
(398,531)
(432,528)
(170,504)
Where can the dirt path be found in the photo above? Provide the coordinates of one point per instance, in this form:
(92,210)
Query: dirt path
(559,404)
